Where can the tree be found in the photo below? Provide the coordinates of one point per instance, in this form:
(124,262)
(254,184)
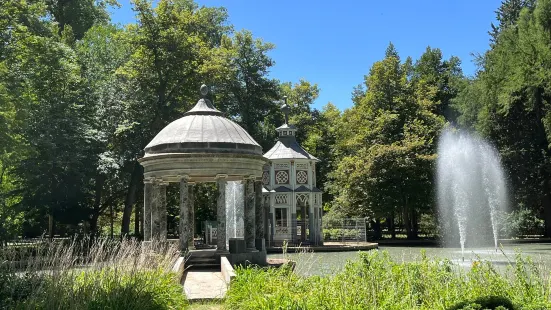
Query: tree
(388,142)
(245,92)
(512,92)
(80,15)
(445,75)
(175,48)
(321,140)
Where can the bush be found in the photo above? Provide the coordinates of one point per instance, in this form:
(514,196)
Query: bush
(109,289)
(103,275)
(340,233)
(522,222)
(486,302)
(374,281)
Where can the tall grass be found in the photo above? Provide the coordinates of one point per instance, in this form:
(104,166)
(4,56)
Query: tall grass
(101,274)
(374,281)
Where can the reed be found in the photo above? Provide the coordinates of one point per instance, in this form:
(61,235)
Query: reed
(86,274)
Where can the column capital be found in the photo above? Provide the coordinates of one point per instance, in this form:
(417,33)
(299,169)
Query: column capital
(183,177)
(155,181)
(221,176)
(250,177)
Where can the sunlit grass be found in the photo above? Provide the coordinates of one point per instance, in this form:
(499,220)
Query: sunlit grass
(82,274)
(375,281)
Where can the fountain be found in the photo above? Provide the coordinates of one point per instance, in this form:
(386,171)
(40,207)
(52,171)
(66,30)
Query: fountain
(235,210)
(471,189)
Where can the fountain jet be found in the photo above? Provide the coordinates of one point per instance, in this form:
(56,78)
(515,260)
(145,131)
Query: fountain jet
(471,188)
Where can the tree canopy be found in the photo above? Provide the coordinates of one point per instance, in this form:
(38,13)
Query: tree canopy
(80,97)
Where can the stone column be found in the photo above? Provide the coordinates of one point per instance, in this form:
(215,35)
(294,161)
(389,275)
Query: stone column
(155,214)
(221,214)
(303,222)
(191,210)
(320,223)
(293,211)
(259,216)
(162,212)
(310,177)
(250,215)
(184,215)
(312,219)
(267,216)
(147,197)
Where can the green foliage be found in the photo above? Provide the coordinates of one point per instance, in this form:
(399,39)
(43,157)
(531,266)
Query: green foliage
(341,233)
(521,222)
(389,139)
(108,289)
(486,302)
(90,275)
(374,281)
(508,101)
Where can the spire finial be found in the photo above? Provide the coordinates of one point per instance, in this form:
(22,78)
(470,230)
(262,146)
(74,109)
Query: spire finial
(204,90)
(285,109)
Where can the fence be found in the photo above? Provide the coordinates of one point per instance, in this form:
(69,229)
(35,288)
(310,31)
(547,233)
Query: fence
(345,230)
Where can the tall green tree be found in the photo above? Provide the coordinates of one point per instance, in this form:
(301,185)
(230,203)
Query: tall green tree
(388,142)
(245,92)
(175,49)
(512,99)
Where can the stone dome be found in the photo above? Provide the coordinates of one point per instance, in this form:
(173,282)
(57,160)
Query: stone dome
(203,129)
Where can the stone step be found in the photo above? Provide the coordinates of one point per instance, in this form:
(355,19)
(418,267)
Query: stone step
(203,262)
(199,260)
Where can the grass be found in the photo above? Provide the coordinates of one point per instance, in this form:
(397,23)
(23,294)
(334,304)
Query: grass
(374,281)
(90,275)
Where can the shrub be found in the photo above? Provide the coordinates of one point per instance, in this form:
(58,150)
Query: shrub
(521,222)
(100,275)
(486,302)
(374,281)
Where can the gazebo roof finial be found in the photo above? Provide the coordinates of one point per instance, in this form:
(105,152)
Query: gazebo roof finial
(285,109)
(204,91)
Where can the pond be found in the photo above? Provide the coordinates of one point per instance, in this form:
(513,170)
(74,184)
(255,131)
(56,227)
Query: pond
(330,262)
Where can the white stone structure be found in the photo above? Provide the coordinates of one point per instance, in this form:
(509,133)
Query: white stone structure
(290,193)
(204,146)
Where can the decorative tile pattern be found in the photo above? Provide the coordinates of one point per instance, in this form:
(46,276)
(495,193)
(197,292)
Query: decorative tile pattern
(302,166)
(302,198)
(302,177)
(282,177)
(266,178)
(282,199)
(282,166)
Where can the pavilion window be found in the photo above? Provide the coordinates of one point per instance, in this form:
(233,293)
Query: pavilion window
(281,217)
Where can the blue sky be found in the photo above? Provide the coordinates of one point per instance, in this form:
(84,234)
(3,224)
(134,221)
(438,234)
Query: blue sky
(334,43)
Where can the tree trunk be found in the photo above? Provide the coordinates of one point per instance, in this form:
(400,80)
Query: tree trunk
(130,199)
(415,223)
(391,226)
(111,216)
(96,209)
(546,204)
(407,219)
(94,225)
(377,233)
(137,212)
(50,226)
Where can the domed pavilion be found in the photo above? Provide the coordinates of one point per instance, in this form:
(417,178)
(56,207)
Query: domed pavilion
(204,146)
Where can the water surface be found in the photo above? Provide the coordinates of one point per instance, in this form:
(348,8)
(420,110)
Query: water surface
(332,262)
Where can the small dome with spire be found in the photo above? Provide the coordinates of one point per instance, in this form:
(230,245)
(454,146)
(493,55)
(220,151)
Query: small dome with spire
(287,146)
